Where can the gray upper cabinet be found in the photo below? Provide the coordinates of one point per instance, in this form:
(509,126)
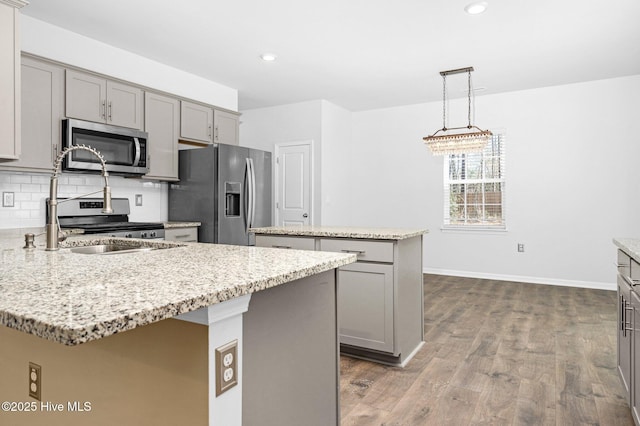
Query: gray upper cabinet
(162,122)
(93,98)
(226,127)
(10,79)
(42,110)
(196,122)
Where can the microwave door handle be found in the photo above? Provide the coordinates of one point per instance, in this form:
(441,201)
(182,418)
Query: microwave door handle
(136,141)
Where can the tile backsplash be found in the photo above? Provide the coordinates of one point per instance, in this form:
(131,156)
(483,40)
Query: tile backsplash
(31,189)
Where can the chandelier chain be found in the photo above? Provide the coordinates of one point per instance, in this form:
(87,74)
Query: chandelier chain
(444,102)
(469,99)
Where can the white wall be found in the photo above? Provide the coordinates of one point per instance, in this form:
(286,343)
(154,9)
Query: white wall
(263,128)
(571,182)
(46,40)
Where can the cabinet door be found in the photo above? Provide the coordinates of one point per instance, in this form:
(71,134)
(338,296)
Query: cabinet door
(9,83)
(226,127)
(124,105)
(196,122)
(86,96)
(42,105)
(635,353)
(365,306)
(625,322)
(162,121)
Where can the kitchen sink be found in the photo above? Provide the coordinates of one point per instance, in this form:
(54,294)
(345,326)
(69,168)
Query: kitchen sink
(117,247)
(110,249)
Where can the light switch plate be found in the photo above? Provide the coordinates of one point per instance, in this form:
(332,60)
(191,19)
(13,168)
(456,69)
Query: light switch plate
(8,199)
(138,199)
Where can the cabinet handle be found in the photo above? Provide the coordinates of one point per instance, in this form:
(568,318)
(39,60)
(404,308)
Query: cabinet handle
(181,236)
(103,110)
(216,133)
(209,134)
(54,151)
(110,118)
(282,247)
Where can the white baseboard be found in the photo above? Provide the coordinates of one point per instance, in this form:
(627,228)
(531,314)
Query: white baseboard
(523,279)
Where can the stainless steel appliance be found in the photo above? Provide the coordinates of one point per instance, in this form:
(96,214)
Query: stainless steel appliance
(225,187)
(86,214)
(124,150)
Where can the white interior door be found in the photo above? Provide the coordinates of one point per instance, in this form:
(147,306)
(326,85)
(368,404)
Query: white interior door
(293,183)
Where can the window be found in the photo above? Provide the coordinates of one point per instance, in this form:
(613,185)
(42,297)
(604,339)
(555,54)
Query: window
(474,186)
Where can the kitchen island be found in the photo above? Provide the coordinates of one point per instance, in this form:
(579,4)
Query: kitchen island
(106,331)
(380,298)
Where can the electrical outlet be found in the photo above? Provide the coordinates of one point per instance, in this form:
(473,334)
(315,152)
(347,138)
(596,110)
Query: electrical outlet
(226,367)
(35,381)
(138,199)
(8,199)
(520,248)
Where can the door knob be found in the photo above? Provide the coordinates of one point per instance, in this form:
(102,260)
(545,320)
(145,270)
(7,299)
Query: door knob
(305,215)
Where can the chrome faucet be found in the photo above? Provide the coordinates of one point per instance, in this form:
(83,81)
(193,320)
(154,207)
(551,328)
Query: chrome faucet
(54,234)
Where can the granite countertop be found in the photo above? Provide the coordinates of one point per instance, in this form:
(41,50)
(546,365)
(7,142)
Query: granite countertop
(174,225)
(342,232)
(74,298)
(631,246)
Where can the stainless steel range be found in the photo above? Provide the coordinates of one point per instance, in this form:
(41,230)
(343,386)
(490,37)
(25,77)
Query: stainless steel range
(86,214)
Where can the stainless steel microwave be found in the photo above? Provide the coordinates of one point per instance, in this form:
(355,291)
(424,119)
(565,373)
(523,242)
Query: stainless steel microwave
(124,150)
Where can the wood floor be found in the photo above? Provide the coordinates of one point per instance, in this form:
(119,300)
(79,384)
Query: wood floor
(497,353)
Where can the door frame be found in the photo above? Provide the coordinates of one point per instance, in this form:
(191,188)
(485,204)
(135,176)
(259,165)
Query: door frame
(277,178)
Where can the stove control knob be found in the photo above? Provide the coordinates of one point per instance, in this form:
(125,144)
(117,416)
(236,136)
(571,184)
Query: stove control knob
(143,235)
(153,234)
(128,235)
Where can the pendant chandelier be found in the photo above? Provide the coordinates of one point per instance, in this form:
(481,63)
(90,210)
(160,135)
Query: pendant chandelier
(463,139)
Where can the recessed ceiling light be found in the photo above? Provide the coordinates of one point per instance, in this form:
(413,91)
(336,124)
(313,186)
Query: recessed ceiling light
(476,8)
(269,57)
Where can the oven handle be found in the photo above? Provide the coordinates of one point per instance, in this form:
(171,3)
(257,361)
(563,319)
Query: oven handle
(136,141)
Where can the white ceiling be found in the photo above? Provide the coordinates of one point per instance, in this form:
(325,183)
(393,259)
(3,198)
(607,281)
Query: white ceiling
(365,54)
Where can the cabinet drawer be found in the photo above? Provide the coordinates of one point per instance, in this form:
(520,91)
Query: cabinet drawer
(372,251)
(623,263)
(297,243)
(181,234)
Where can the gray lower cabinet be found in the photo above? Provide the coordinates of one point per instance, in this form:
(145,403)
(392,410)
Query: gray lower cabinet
(625,314)
(42,110)
(635,353)
(93,98)
(366,306)
(162,122)
(628,353)
(380,297)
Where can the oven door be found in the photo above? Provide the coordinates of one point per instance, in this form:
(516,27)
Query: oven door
(124,150)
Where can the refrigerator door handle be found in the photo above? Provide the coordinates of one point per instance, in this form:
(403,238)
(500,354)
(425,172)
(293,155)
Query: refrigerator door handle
(249,196)
(253,192)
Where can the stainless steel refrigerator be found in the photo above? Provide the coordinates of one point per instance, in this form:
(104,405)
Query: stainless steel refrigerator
(227,188)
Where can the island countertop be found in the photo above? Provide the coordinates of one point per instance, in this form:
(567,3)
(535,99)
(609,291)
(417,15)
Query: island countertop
(631,246)
(342,232)
(74,298)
